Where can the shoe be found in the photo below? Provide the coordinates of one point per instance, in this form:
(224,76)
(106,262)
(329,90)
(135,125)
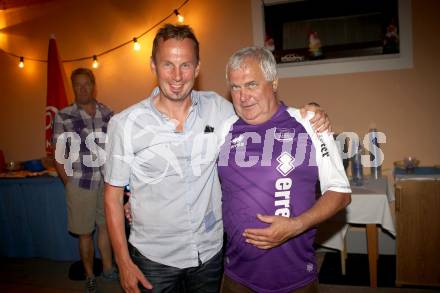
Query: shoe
(110,275)
(90,285)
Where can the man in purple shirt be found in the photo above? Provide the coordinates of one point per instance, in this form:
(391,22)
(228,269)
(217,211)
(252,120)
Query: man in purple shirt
(269,166)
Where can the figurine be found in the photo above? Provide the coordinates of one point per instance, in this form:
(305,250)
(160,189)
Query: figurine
(269,43)
(391,40)
(314,45)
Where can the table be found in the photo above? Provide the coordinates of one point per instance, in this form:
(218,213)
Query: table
(369,206)
(33,219)
(420,173)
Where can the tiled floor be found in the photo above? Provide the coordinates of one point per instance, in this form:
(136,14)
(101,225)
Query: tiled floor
(45,276)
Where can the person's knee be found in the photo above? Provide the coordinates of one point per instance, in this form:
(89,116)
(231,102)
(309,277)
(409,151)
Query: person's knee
(85,237)
(102,232)
(102,227)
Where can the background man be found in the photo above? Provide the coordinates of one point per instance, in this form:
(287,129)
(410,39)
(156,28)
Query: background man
(269,167)
(162,148)
(84,185)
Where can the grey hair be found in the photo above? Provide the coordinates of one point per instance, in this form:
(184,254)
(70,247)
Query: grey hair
(262,55)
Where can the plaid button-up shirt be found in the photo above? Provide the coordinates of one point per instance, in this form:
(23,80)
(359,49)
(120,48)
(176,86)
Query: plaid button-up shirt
(80,143)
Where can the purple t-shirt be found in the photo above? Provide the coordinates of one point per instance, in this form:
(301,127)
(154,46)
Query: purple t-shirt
(272,169)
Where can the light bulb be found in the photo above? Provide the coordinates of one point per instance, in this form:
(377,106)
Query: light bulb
(21,63)
(136,45)
(95,62)
(180,17)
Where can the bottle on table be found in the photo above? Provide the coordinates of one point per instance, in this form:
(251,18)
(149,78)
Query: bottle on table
(356,167)
(375,154)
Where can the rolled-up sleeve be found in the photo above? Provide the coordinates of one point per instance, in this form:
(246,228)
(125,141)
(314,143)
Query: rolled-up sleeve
(331,171)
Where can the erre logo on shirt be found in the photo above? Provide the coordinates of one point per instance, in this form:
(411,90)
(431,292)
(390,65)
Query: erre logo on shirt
(282,196)
(285,161)
(283,185)
(324,150)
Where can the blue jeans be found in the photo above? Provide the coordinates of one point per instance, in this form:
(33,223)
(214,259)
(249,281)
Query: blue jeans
(205,278)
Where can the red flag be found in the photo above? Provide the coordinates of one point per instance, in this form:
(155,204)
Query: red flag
(56,91)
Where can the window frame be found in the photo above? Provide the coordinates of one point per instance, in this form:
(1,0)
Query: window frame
(402,60)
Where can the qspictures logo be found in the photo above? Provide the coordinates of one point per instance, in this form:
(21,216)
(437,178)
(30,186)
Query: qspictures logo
(204,149)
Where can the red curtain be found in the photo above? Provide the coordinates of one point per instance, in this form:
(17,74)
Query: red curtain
(56,92)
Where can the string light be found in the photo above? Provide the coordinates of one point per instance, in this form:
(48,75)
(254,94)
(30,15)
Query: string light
(95,62)
(136,45)
(180,17)
(21,63)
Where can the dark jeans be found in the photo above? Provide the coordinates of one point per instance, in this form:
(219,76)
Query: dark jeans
(205,278)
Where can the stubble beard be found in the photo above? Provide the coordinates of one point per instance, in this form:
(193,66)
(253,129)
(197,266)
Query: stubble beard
(177,97)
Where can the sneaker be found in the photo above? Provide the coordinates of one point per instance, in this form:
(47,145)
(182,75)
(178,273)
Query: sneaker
(110,275)
(90,285)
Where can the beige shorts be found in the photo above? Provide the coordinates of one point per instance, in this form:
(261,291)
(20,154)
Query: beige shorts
(85,208)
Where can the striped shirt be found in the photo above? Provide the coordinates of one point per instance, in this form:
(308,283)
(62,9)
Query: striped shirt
(175,191)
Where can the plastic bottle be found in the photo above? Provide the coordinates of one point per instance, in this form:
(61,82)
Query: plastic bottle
(356,167)
(376,168)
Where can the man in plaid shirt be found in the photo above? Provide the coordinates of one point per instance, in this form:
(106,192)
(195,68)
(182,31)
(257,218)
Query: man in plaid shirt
(79,138)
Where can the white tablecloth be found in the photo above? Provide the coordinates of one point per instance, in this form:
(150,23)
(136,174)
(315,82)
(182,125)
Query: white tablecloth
(369,205)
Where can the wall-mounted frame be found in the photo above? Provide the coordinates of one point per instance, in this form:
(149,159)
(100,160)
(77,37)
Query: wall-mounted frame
(369,54)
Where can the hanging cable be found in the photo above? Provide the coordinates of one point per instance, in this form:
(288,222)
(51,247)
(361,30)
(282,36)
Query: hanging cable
(95,56)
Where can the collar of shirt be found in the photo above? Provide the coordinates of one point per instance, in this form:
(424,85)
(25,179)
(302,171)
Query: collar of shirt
(101,110)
